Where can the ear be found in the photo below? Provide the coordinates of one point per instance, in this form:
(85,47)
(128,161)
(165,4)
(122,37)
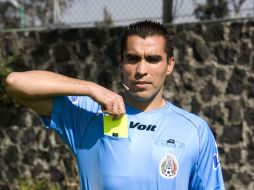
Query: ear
(118,59)
(119,63)
(171,63)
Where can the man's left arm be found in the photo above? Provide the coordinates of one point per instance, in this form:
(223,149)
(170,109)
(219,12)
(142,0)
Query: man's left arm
(208,174)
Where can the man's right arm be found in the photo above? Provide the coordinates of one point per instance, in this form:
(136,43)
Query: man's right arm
(36,90)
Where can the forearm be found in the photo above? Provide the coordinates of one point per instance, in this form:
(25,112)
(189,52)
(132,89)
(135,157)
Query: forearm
(36,90)
(35,85)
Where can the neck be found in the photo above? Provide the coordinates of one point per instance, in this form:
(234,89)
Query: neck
(149,105)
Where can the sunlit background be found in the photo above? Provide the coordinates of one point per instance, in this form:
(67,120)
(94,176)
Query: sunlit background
(21,14)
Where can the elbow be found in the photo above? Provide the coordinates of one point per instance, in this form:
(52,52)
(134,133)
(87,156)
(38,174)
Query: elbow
(10,82)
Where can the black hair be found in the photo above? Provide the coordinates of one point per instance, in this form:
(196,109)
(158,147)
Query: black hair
(147,28)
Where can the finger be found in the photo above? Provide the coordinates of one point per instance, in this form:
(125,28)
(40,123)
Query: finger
(114,106)
(108,105)
(106,110)
(121,106)
(115,111)
(111,109)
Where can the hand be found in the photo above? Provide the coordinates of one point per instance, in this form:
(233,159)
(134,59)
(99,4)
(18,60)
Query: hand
(111,102)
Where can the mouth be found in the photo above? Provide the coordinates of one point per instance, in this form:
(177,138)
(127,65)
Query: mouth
(141,84)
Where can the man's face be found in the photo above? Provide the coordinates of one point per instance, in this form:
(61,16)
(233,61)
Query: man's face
(145,67)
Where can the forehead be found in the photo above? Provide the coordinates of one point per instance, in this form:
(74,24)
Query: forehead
(149,44)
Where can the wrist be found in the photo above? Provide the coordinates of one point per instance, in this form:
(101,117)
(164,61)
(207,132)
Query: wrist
(89,89)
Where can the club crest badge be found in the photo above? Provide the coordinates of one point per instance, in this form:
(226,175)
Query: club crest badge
(169,166)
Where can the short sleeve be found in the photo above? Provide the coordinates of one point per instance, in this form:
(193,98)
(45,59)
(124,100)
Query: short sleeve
(208,174)
(69,118)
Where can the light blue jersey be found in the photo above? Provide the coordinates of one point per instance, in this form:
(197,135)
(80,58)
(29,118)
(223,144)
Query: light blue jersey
(166,149)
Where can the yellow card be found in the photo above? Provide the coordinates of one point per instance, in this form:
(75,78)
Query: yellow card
(116,127)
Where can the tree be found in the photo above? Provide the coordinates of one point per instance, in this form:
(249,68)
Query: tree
(237,6)
(107,18)
(167,11)
(8,14)
(28,13)
(213,9)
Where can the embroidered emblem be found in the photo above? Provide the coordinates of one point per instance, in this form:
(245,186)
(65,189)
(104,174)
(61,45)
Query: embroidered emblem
(169,166)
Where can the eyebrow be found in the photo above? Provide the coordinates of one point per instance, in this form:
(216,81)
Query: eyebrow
(132,55)
(148,56)
(156,57)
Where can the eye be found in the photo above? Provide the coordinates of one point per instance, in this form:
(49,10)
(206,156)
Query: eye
(153,59)
(132,58)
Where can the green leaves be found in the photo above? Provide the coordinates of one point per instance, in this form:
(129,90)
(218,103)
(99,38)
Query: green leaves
(35,184)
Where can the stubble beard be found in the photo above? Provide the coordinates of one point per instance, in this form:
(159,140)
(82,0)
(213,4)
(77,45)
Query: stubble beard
(143,99)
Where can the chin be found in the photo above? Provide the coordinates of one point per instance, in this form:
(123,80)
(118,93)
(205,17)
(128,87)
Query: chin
(141,97)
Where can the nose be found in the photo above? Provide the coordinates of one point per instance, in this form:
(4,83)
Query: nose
(141,68)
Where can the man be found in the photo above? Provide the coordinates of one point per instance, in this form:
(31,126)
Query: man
(164,147)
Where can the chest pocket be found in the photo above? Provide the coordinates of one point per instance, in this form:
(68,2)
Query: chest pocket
(114,156)
(167,157)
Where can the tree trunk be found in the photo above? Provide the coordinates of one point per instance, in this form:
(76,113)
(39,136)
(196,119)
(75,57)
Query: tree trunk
(167,11)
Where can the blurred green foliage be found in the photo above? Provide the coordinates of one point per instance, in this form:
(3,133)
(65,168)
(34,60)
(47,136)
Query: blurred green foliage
(35,184)
(6,66)
(212,10)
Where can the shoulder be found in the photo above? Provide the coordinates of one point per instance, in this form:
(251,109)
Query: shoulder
(194,120)
(201,126)
(198,124)
(78,102)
